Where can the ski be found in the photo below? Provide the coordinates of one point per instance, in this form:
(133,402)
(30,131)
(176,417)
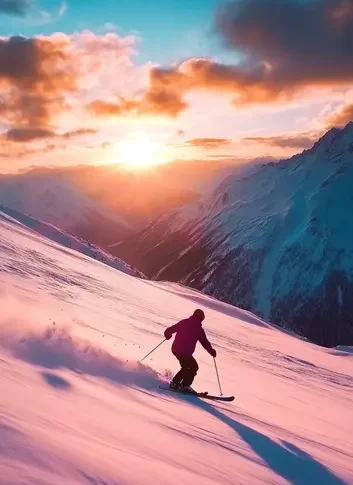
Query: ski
(218,398)
(202,395)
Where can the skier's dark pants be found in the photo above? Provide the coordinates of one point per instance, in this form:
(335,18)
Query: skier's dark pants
(188,371)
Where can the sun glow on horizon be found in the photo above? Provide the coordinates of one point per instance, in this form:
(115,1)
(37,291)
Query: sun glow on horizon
(138,153)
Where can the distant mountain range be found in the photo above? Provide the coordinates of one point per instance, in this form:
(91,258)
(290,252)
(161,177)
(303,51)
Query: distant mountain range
(104,204)
(276,239)
(53,196)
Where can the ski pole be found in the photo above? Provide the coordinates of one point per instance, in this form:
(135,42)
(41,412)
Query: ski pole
(219,382)
(156,347)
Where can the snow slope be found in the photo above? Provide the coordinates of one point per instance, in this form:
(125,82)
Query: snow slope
(76,407)
(67,240)
(276,240)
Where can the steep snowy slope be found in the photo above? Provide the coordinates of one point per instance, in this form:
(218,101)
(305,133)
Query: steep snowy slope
(277,240)
(76,408)
(67,240)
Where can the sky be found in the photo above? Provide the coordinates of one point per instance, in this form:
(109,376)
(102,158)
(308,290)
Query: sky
(139,82)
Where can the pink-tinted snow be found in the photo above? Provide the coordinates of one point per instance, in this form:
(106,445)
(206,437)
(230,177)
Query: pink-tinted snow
(77,408)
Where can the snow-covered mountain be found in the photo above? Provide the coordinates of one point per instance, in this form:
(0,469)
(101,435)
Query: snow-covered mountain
(67,240)
(54,197)
(77,409)
(277,240)
(106,203)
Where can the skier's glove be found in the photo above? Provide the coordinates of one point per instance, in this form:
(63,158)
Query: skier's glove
(213,353)
(167,335)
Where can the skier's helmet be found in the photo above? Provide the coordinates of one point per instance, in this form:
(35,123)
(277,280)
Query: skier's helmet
(199,314)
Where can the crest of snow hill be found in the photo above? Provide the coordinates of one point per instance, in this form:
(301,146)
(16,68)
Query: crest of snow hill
(68,240)
(276,240)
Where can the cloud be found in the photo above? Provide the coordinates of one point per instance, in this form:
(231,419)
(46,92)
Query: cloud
(265,33)
(275,63)
(63,8)
(21,142)
(341,117)
(12,152)
(154,102)
(35,75)
(167,86)
(208,142)
(80,132)
(29,134)
(285,141)
(45,78)
(45,82)
(15,7)
(111,108)
(21,135)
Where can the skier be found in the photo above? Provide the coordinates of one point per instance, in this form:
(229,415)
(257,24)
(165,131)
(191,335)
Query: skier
(188,333)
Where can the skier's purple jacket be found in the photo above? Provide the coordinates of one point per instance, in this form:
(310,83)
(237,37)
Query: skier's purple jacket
(188,333)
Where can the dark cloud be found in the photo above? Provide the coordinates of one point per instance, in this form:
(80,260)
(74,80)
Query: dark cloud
(41,78)
(22,135)
(285,141)
(292,43)
(283,47)
(35,76)
(17,142)
(163,96)
(15,7)
(28,134)
(37,63)
(341,117)
(208,142)
(80,132)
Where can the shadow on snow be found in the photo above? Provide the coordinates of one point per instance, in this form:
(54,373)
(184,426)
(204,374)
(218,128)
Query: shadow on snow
(286,460)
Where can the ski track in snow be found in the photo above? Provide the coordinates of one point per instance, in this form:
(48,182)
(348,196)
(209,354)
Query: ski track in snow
(77,408)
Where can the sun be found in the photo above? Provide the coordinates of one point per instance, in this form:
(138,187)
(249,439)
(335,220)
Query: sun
(138,152)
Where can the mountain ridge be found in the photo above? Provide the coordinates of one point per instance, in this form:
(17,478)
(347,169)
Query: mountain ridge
(275,240)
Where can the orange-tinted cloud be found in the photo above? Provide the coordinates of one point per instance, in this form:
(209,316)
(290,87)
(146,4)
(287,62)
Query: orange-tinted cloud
(35,76)
(167,88)
(20,142)
(41,77)
(341,117)
(28,134)
(208,142)
(275,61)
(13,151)
(285,141)
(111,108)
(156,101)
(79,132)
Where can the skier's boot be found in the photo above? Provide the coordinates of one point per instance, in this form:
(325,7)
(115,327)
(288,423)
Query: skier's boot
(174,386)
(187,389)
